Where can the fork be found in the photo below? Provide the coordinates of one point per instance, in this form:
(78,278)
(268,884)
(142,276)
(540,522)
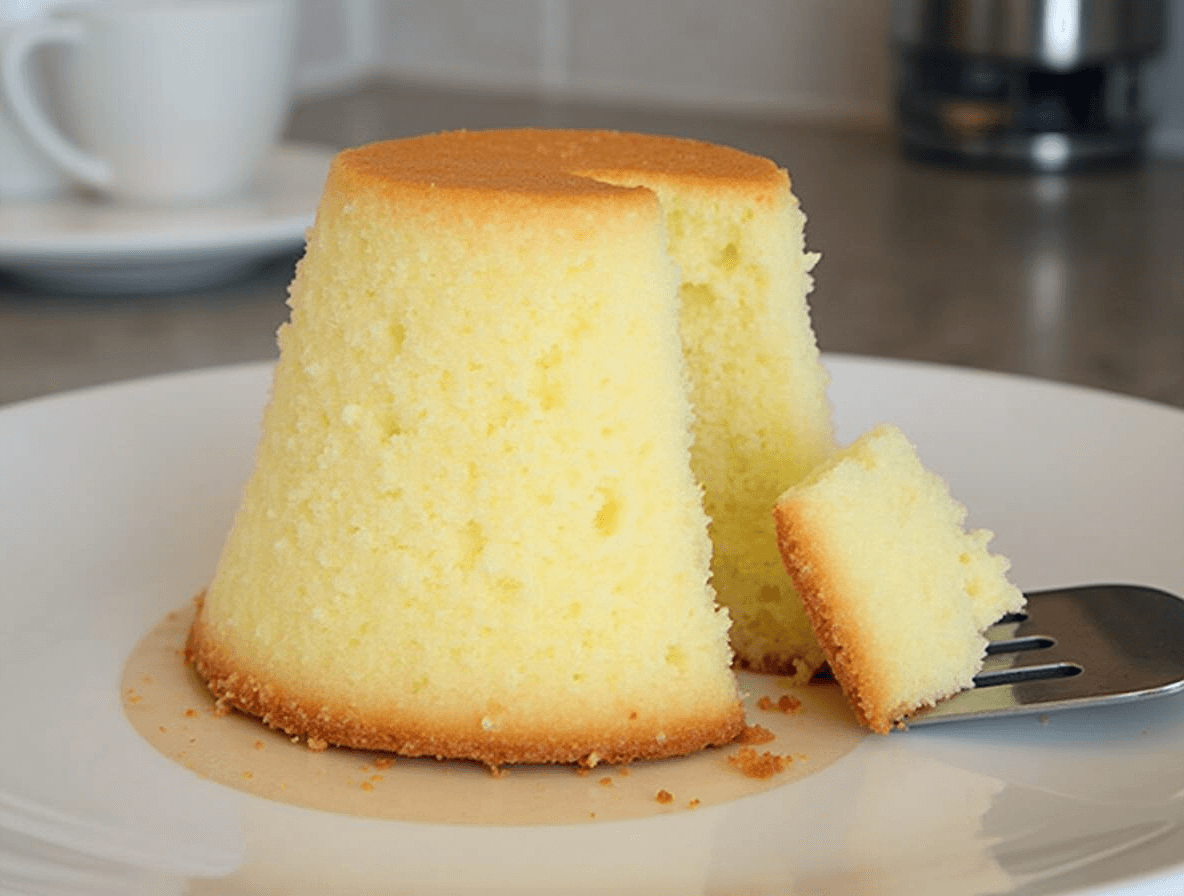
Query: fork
(1075,647)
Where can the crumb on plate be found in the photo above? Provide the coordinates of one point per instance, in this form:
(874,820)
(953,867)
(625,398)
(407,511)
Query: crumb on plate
(758,765)
(786,703)
(755,734)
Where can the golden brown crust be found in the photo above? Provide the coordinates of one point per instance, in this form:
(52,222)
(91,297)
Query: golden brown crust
(815,585)
(553,162)
(320,726)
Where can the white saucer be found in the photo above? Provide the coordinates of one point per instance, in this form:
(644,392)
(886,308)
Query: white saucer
(82,244)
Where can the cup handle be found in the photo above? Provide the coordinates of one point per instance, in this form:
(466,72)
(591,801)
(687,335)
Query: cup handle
(20,44)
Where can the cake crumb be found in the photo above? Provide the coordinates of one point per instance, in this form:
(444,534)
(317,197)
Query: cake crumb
(693,804)
(606,782)
(583,771)
(367,785)
(758,765)
(383,763)
(664,797)
(317,745)
(624,771)
(162,729)
(248,775)
(786,703)
(755,734)
(258,745)
(496,771)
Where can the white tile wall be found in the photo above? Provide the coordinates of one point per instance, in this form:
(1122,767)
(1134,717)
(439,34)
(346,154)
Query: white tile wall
(496,43)
(807,57)
(754,53)
(336,44)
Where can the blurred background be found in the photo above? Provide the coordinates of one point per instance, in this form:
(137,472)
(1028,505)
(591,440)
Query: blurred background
(1075,276)
(772,57)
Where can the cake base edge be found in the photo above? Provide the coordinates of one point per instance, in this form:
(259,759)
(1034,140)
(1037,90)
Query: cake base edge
(319,727)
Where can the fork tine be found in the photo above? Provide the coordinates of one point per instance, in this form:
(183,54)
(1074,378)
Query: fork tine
(1076,647)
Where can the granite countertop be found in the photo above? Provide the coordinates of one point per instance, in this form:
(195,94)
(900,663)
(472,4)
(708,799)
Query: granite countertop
(1077,278)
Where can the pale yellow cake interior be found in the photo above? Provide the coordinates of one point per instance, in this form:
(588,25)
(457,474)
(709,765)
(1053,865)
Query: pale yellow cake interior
(759,393)
(476,526)
(898,591)
(758,389)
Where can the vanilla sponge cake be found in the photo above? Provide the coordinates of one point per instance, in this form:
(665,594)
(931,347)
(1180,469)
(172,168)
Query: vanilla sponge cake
(473,529)
(899,593)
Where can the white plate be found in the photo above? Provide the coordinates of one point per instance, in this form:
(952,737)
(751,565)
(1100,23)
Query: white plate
(83,244)
(113,505)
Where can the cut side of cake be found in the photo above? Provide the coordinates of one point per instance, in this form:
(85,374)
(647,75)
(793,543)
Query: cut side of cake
(758,389)
(762,419)
(897,590)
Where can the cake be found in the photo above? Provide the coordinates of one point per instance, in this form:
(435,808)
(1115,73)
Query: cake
(735,233)
(758,389)
(476,527)
(897,590)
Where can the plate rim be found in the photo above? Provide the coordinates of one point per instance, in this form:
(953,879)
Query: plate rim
(257,372)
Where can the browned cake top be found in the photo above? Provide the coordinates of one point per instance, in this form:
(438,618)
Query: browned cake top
(553,162)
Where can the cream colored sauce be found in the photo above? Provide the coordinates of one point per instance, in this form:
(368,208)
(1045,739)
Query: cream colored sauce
(169,705)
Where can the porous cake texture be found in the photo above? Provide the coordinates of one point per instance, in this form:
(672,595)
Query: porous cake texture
(898,591)
(758,390)
(475,527)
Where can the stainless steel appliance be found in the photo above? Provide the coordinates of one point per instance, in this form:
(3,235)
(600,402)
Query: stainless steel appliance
(1050,85)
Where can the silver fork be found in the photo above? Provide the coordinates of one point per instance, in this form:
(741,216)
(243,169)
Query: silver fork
(1075,647)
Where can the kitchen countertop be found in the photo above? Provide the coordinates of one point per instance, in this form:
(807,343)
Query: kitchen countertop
(1072,278)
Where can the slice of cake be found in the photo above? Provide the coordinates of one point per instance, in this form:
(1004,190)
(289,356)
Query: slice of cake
(897,590)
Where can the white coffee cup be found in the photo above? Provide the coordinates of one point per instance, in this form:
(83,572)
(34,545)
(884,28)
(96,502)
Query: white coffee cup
(25,172)
(172,101)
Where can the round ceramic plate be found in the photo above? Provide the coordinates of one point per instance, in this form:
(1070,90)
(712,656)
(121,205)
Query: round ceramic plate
(84,244)
(113,506)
